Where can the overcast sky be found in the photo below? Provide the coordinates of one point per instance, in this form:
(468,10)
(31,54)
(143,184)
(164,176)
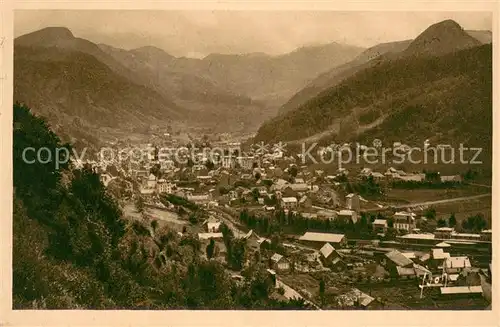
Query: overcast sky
(198,33)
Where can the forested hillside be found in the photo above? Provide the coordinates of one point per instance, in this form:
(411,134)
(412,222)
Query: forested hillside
(407,100)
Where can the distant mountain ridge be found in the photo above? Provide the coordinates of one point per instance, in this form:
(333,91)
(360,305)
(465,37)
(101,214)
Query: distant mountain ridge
(372,56)
(441,38)
(408,96)
(219,91)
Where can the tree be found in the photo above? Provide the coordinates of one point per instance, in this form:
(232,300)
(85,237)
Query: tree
(257,176)
(155,170)
(267,182)
(322,291)
(139,204)
(210,248)
(391,233)
(390,222)
(293,171)
(154,225)
(223,190)
(210,165)
(475,223)
(430,213)
(441,222)
(255,194)
(237,258)
(452,221)
(432,176)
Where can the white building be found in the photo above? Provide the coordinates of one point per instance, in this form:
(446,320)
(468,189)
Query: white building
(165,187)
(352,202)
(404,221)
(228,162)
(289,202)
(151,183)
(245,162)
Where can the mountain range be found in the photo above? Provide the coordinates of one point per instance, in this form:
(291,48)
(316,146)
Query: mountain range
(78,84)
(437,86)
(322,92)
(375,54)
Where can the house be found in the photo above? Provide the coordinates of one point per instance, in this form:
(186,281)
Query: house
(404,221)
(279,263)
(165,187)
(355,298)
(246,176)
(299,187)
(437,258)
(352,202)
(377,176)
(207,236)
(197,168)
(305,202)
(455,265)
(453,178)
(380,225)
(486,235)
(228,162)
(199,199)
(327,214)
(462,291)
(271,274)
(319,239)
(253,240)
(410,177)
(289,203)
(167,164)
(151,182)
(309,215)
(395,259)
(329,256)
(279,185)
(348,215)
(233,194)
(212,225)
(443,232)
(264,243)
(105,179)
(365,172)
(147,191)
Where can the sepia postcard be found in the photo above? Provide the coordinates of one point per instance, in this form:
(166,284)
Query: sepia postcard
(248,164)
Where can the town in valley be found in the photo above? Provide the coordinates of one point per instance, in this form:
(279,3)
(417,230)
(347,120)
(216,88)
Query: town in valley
(198,177)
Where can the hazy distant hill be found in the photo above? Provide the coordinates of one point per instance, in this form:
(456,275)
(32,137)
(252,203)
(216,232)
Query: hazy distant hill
(451,38)
(272,79)
(484,37)
(81,89)
(72,79)
(403,98)
(77,92)
(337,74)
(207,102)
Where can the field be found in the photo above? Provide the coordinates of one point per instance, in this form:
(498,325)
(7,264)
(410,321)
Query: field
(422,195)
(168,218)
(465,209)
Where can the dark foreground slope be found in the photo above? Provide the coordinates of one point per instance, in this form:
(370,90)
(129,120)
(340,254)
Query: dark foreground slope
(72,248)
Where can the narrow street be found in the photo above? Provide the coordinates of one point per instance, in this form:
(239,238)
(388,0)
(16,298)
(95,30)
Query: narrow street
(429,203)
